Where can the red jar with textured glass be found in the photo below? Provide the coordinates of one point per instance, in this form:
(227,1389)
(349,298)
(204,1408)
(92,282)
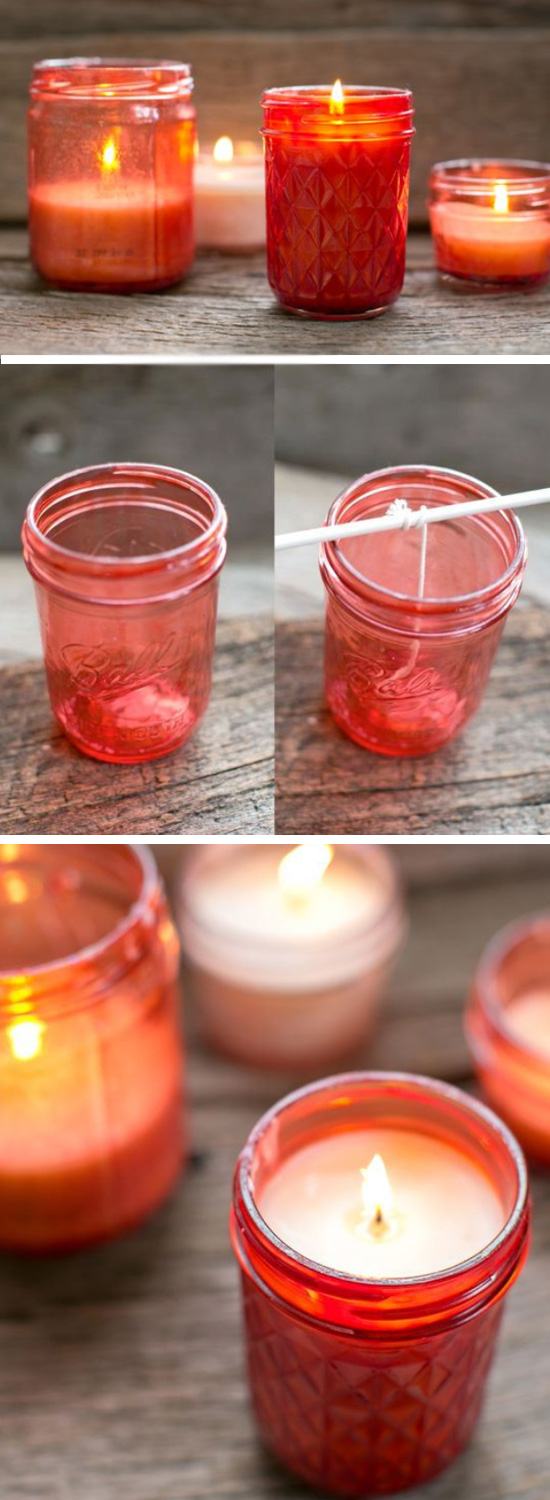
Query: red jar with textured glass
(337,185)
(373,1285)
(409,644)
(111,150)
(92,1132)
(125,559)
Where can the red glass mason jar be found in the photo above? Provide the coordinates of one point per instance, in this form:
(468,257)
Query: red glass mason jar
(508,1029)
(91,1121)
(490,221)
(111,150)
(366,1387)
(403,674)
(125,559)
(337,188)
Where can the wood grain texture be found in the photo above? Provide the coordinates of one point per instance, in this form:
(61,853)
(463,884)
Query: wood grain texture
(123,1372)
(479,92)
(221,782)
(495,778)
(226,307)
(62,18)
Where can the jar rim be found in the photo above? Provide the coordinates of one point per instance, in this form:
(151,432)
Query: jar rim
(317,93)
(428,604)
(465,172)
(363,1284)
(511,936)
(89,954)
(135,564)
(171,77)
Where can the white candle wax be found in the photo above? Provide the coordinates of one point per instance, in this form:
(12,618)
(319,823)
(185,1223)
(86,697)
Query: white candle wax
(528,1017)
(445,1208)
(230,202)
(243,896)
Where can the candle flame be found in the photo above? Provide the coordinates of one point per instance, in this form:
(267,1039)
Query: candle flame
(25,1039)
(303,868)
(109,158)
(223,149)
(500,200)
(336,104)
(377,1195)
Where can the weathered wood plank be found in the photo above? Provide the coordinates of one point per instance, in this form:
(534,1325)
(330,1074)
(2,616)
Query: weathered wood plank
(226,306)
(484,92)
(149,1398)
(64,18)
(220,783)
(494,779)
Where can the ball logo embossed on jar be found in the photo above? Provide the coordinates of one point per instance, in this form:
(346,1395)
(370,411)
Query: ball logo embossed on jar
(97,667)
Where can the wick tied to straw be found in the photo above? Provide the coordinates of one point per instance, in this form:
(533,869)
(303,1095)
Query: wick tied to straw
(409,519)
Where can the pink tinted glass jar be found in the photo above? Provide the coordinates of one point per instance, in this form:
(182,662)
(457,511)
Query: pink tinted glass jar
(490,221)
(111,150)
(125,560)
(337,189)
(92,1132)
(404,674)
(508,1029)
(367,1387)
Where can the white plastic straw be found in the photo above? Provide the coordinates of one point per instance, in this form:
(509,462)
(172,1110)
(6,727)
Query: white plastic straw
(402,518)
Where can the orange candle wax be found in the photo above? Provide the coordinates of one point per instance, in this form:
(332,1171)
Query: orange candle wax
(476,241)
(102,232)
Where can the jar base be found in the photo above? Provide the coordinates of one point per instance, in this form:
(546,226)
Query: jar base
(396,751)
(111,289)
(318,316)
(493,283)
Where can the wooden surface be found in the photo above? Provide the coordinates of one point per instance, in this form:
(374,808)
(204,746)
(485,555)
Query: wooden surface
(477,91)
(221,782)
(122,1372)
(226,307)
(495,778)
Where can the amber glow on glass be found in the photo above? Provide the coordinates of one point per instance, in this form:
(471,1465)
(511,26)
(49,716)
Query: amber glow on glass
(25,1039)
(500,200)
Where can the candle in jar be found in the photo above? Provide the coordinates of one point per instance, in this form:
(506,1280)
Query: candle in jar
(490,229)
(337,181)
(528,1018)
(111,149)
(229,197)
(91,1135)
(290,949)
(369,1203)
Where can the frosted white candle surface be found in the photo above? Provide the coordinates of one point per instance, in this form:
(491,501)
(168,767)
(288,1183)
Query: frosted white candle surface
(445,1208)
(528,1017)
(243,894)
(230,198)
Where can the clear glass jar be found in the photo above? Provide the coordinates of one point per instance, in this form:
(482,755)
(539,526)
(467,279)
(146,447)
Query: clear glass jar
(111,150)
(291,984)
(490,221)
(366,1387)
(404,674)
(91,1121)
(508,1029)
(125,560)
(337,190)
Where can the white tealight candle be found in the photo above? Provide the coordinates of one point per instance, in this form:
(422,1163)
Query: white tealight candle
(382,1203)
(230,197)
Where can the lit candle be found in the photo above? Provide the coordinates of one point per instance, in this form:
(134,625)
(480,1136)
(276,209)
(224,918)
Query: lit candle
(379,1221)
(91,1135)
(491,227)
(508,1028)
(111,174)
(337,181)
(229,197)
(289,950)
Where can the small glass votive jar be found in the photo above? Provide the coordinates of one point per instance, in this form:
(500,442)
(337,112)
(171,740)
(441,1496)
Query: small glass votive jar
(404,673)
(337,188)
(490,221)
(508,1030)
(369,1385)
(111,147)
(91,1121)
(288,973)
(125,560)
